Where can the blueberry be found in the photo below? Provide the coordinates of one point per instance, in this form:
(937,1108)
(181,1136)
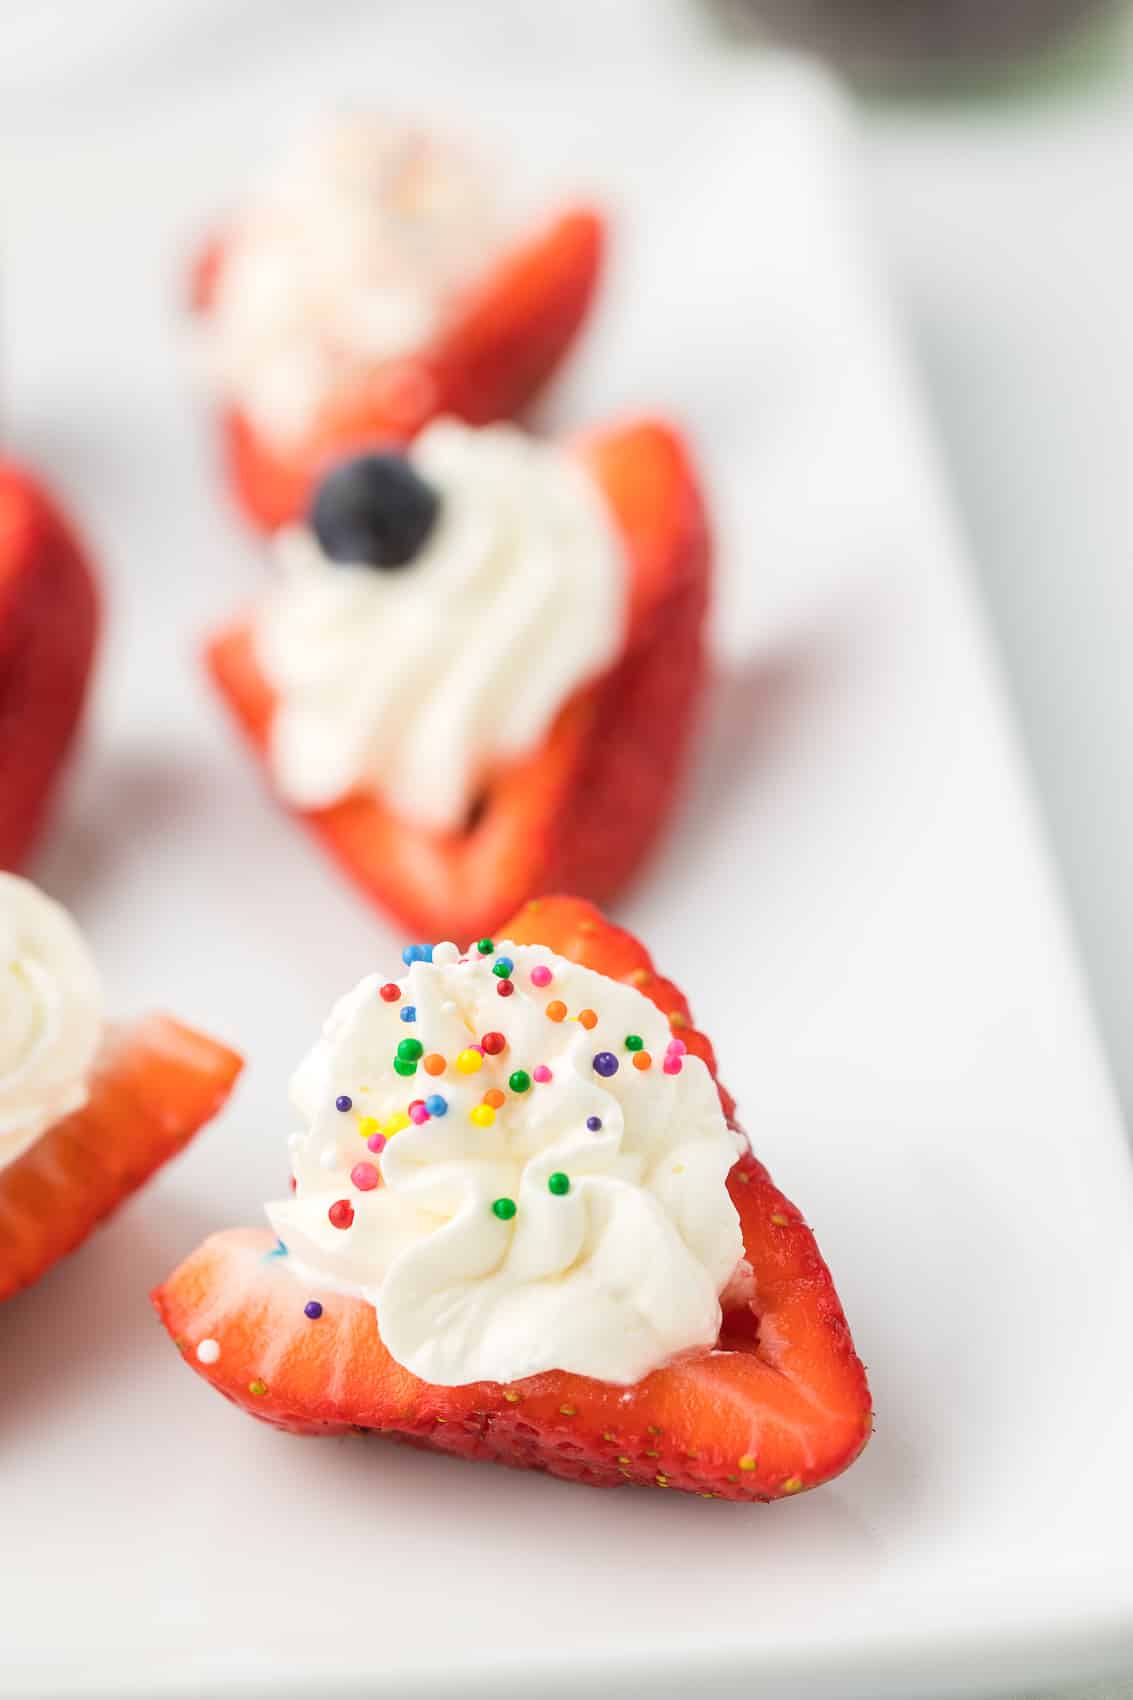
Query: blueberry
(374,510)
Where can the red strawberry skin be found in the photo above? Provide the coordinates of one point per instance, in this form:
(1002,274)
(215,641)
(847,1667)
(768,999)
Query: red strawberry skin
(500,346)
(780,1406)
(154,1085)
(48,630)
(583,811)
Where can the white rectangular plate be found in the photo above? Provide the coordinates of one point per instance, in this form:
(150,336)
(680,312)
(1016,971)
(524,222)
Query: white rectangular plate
(855,894)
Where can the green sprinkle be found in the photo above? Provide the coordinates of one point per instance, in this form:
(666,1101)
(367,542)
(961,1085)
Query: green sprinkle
(504,1208)
(520,1081)
(410,1049)
(634,1042)
(404,1067)
(485,947)
(558,1183)
(257,1388)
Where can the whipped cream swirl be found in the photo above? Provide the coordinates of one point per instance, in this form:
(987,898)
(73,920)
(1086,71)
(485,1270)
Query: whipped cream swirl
(539,1183)
(50,1015)
(418,684)
(353,256)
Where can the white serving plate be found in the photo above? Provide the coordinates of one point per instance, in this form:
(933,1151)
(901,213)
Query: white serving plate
(855,893)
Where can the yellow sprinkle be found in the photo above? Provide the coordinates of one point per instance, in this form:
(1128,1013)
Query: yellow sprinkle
(652,1454)
(483,1115)
(512,1398)
(792,1484)
(640,977)
(568,1410)
(368,1126)
(606,1435)
(743,1176)
(469,1062)
(623,1459)
(747,1462)
(707,1496)
(653,1429)
(662,1481)
(780,1220)
(257,1388)
(678,1168)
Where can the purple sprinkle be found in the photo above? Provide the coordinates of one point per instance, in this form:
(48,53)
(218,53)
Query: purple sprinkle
(605,1064)
(344,1103)
(594,1123)
(313,1309)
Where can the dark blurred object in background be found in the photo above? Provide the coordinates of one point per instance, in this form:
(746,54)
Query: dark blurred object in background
(875,39)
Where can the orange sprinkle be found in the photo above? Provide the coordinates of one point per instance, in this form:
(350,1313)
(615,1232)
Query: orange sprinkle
(556,1010)
(640,977)
(642,1059)
(676,1019)
(587,1018)
(434,1063)
(494,1097)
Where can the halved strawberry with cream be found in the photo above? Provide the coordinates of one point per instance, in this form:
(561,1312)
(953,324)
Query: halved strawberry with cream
(48,627)
(591,1211)
(500,701)
(375,286)
(87,1112)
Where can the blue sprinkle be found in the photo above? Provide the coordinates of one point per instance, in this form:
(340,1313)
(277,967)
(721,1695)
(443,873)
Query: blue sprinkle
(594,1123)
(344,1103)
(416,953)
(313,1309)
(436,1105)
(408,1012)
(277,1250)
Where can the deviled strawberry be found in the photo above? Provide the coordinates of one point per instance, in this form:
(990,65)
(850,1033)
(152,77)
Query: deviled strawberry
(376,284)
(525,1228)
(87,1111)
(476,670)
(48,628)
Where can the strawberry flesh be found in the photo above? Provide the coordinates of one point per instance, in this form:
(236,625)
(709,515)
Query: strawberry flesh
(500,346)
(583,811)
(48,628)
(780,1405)
(154,1085)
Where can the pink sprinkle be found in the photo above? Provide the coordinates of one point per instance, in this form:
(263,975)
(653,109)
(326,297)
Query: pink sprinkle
(376,1142)
(672,1064)
(364,1176)
(418,1113)
(479,1048)
(541,976)
(676,1047)
(542,1074)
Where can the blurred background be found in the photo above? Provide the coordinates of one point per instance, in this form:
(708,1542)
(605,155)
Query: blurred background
(996,156)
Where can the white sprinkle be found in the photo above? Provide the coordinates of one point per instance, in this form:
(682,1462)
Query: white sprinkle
(446,953)
(329,1160)
(208,1351)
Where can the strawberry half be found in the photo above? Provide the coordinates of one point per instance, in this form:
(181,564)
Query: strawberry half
(48,627)
(581,812)
(780,1405)
(154,1085)
(502,341)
